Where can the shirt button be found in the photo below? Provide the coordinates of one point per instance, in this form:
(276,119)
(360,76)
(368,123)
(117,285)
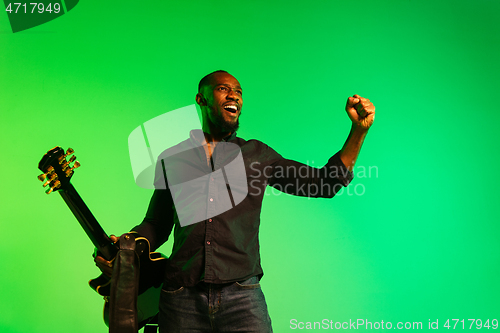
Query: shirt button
(211,199)
(209,220)
(208,242)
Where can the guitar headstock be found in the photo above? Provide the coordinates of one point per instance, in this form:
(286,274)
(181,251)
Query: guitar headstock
(56,168)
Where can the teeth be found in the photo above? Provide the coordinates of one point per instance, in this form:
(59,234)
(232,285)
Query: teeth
(231,107)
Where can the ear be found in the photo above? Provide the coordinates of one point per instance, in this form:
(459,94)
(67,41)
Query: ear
(201,100)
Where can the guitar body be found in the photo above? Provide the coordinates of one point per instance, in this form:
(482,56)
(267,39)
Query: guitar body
(57,174)
(147,305)
(151,264)
(150,283)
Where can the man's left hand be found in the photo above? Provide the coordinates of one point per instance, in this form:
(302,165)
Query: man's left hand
(361,112)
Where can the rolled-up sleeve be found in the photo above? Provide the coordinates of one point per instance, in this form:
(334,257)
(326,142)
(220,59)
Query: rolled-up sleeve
(296,178)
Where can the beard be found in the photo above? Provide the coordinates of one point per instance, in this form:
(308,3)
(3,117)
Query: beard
(227,126)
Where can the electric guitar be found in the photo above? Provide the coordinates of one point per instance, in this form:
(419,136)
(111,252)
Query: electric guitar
(57,172)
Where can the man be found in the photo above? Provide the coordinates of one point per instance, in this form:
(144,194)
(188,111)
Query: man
(212,278)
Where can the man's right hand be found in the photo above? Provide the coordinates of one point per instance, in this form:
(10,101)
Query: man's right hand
(106,266)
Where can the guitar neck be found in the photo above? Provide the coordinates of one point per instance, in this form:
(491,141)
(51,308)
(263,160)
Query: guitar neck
(88,222)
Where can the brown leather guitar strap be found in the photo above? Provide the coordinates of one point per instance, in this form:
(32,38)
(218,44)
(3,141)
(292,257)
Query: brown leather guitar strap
(124,285)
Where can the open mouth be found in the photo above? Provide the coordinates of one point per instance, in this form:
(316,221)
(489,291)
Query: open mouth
(231,109)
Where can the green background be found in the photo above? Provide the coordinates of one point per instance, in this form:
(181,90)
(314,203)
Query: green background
(421,241)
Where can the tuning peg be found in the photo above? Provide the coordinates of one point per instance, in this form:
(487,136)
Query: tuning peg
(54,186)
(52,177)
(65,165)
(43,176)
(69,172)
(62,158)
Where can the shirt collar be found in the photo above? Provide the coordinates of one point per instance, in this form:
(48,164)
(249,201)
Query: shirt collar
(229,137)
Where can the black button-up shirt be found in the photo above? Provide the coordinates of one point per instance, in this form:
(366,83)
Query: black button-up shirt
(225,247)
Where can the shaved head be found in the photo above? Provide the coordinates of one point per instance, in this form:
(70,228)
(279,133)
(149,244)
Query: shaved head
(207,79)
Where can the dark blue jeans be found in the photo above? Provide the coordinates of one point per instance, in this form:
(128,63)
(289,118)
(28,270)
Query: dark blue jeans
(233,307)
